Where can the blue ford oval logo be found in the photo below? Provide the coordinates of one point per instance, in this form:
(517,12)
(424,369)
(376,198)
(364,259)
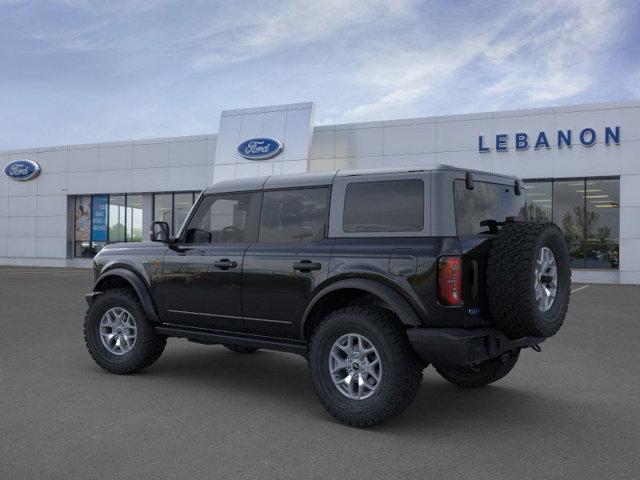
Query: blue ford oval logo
(22,170)
(260,148)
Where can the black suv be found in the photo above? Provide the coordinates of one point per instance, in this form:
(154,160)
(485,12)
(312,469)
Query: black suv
(370,275)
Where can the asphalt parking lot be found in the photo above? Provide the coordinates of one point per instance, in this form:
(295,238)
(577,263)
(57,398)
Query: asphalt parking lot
(572,411)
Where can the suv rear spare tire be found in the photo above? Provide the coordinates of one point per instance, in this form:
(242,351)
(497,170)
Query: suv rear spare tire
(529,279)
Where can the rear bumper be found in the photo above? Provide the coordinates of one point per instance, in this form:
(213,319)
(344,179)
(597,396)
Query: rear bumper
(459,347)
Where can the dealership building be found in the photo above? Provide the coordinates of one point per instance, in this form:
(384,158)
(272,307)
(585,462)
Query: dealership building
(581,165)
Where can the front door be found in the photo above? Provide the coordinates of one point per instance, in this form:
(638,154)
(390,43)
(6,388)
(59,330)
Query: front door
(290,259)
(202,272)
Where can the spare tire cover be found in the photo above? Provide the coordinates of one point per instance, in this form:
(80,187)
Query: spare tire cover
(529,279)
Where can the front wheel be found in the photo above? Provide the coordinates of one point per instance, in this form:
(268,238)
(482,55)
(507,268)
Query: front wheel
(362,366)
(119,336)
(487,372)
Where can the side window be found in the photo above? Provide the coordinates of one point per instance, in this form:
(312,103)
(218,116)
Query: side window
(384,206)
(228,218)
(293,215)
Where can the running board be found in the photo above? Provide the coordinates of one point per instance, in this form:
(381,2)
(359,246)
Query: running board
(215,337)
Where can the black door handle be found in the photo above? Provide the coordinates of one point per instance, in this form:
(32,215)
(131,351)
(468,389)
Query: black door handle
(306,266)
(225,264)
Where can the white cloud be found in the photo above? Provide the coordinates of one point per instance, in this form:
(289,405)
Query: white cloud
(286,25)
(543,52)
(554,63)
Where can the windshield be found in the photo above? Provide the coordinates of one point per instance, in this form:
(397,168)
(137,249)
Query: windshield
(486,203)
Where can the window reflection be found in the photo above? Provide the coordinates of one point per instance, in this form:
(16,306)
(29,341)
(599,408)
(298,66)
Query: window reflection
(117,216)
(588,213)
(182,204)
(603,223)
(134,218)
(122,214)
(172,208)
(539,199)
(163,208)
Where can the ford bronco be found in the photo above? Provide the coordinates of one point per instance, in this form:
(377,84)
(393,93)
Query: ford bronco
(370,275)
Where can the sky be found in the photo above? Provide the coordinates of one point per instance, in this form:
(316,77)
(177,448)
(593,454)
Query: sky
(80,71)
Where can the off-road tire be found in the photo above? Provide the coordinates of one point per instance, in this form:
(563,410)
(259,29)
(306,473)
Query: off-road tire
(487,372)
(401,368)
(511,279)
(241,348)
(148,346)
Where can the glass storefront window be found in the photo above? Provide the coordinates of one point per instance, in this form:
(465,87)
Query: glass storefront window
(588,213)
(117,218)
(172,208)
(134,218)
(163,208)
(603,226)
(539,198)
(102,219)
(82,227)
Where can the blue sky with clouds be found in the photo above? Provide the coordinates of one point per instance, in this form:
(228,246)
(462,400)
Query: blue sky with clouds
(80,71)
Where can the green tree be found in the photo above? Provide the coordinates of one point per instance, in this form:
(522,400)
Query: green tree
(116,233)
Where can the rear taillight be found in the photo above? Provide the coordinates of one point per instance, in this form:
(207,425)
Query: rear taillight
(449,280)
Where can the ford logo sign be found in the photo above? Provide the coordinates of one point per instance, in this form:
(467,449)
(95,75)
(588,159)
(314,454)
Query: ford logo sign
(22,170)
(260,148)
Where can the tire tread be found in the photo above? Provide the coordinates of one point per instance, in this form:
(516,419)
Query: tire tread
(152,345)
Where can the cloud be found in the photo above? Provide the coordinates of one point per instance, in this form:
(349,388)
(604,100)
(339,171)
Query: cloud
(263,31)
(553,60)
(120,69)
(541,53)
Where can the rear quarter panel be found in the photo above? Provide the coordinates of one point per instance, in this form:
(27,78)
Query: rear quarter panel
(373,258)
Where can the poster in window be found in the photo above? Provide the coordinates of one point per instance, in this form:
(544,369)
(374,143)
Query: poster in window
(99,209)
(83,219)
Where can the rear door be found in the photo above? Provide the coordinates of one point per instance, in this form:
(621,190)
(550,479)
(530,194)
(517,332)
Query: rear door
(289,260)
(479,211)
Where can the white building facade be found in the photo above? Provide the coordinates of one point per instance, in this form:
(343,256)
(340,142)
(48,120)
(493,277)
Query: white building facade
(581,165)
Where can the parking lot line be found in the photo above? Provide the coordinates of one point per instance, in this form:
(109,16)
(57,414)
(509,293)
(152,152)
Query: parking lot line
(580,288)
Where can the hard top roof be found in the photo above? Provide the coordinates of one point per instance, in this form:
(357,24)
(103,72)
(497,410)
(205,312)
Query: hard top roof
(325,178)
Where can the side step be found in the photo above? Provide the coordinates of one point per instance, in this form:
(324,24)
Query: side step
(214,337)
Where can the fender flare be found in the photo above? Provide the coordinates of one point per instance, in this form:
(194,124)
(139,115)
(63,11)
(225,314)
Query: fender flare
(138,285)
(398,304)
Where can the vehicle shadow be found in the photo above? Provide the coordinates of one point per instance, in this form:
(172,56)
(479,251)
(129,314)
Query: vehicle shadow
(282,380)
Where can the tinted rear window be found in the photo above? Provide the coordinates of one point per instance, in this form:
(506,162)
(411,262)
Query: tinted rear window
(294,215)
(487,201)
(384,206)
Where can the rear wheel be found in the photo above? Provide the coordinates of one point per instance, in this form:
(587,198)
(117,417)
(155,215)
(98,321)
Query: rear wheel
(241,349)
(119,336)
(487,372)
(362,366)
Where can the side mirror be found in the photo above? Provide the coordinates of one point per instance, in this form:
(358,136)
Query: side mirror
(159,232)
